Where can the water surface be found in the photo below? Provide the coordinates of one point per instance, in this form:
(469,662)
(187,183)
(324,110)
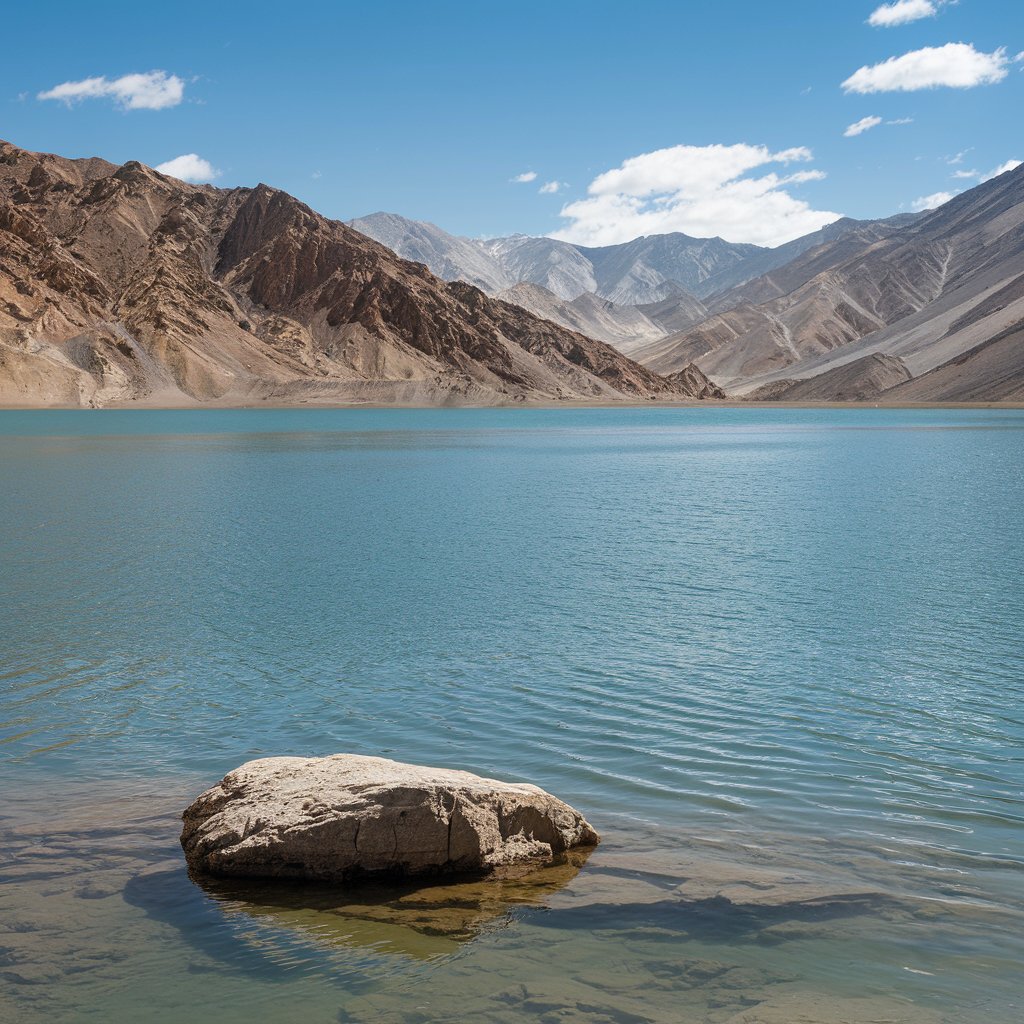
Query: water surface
(774,655)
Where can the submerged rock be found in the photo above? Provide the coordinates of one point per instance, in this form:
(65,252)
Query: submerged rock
(340,817)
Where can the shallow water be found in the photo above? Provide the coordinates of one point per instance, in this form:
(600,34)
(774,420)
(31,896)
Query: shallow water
(774,655)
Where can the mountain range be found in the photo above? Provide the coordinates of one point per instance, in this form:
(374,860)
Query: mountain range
(646,270)
(938,297)
(120,284)
(945,290)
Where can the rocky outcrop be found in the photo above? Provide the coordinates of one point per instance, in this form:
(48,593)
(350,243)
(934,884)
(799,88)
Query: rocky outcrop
(120,284)
(343,817)
(695,382)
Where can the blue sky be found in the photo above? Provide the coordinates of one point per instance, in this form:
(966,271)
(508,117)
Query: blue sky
(431,109)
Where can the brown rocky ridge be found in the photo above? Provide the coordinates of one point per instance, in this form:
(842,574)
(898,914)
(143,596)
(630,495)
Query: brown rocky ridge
(122,285)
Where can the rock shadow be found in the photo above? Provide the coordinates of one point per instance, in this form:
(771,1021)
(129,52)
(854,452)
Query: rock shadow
(418,920)
(719,919)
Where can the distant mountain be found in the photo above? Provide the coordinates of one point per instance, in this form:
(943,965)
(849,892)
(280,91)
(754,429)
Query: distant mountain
(676,312)
(927,292)
(665,275)
(120,284)
(624,327)
(450,257)
(646,270)
(768,260)
(557,266)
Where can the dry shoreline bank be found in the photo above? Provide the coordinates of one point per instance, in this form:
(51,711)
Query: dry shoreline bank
(567,404)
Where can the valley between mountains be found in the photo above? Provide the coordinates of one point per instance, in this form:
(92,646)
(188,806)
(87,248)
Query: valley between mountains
(123,286)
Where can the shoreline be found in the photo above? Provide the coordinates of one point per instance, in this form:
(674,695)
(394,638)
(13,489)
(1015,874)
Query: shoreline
(566,404)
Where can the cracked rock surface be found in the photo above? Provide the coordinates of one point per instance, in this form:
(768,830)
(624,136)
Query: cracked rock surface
(340,817)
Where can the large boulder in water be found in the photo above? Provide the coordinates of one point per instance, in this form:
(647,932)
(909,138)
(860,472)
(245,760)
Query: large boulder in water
(340,817)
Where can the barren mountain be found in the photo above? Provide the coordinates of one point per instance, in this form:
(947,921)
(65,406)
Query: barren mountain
(122,284)
(451,258)
(660,274)
(926,292)
(646,270)
(557,266)
(623,327)
(862,380)
(990,372)
(678,311)
(725,285)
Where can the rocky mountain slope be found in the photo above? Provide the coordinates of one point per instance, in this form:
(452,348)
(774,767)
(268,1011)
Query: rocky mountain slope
(990,372)
(926,292)
(449,257)
(647,269)
(121,284)
(651,269)
(626,328)
(777,259)
(862,380)
(663,275)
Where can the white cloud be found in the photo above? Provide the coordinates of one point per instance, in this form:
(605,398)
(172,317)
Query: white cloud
(901,120)
(525,177)
(153,90)
(549,188)
(1010,165)
(189,167)
(935,199)
(699,190)
(980,176)
(316,175)
(957,65)
(902,12)
(861,126)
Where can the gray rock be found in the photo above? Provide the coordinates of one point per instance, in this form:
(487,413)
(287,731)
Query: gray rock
(340,817)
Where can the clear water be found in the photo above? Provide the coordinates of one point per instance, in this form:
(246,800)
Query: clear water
(774,655)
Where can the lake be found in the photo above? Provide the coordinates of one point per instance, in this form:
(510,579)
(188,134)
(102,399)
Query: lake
(774,655)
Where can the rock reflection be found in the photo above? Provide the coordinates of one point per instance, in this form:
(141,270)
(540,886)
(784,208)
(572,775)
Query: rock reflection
(424,920)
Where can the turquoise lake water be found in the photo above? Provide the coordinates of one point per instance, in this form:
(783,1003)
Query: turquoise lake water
(775,656)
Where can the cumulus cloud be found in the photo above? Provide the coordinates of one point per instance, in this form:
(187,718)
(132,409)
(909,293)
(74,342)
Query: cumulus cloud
(699,190)
(549,188)
(189,167)
(932,201)
(957,65)
(902,12)
(525,177)
(154,90)
(861,126)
